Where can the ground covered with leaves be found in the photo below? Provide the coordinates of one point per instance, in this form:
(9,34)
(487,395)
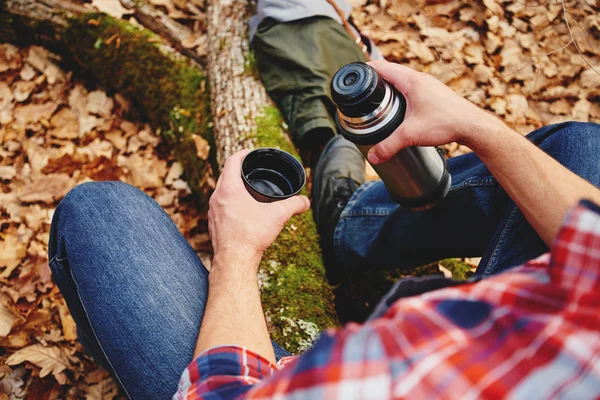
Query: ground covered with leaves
(531,63)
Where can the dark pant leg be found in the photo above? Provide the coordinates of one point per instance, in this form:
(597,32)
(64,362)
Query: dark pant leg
(476,219)
(577,147)
(133,284)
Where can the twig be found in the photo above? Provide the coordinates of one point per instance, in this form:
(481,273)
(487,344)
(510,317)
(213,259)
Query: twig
(564,7)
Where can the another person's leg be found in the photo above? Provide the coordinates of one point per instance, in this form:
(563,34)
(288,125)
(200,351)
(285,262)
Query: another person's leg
(135,287)
(477,218)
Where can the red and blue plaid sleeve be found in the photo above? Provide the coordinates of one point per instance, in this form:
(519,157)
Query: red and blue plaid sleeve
(224,372)
(530,332)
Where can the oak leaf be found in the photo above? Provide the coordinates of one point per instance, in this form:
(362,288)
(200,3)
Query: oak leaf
(52,360)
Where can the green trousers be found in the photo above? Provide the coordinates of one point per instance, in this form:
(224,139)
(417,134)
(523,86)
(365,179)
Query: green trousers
(296,61)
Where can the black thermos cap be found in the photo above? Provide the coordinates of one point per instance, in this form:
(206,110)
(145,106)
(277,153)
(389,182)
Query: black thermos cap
(357,89)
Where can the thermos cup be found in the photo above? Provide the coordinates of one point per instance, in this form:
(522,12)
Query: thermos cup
(272,174)
(369,110)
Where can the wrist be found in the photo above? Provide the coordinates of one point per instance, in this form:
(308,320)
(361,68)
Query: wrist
(485,134)
(240,265)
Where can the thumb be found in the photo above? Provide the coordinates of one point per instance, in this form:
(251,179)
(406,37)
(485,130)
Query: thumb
(388,147)
(294,206)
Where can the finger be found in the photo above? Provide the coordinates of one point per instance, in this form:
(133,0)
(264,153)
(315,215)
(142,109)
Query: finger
(232,170)
(387,148)
(398,75)
(294,206)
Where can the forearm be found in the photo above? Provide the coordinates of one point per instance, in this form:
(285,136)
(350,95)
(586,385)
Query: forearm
(543,189)
(234,314)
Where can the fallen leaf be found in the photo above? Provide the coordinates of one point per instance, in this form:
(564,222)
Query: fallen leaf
(447,273)
(52,360)
(117,139)
(22,90)
(66,124)
(111,7)
(105,390)
(68,324)
(7,319)
(8,57)
(99,103)
(13,248)
(29,113)
(202,146)
(46,188)
(421,51)
(27,73)
(561,107)
(145,173)
(174,173)
(7,172)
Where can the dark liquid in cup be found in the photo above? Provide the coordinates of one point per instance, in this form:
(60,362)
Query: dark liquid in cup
(270,182)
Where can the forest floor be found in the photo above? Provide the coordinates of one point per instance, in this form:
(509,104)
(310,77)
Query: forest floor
(531,63)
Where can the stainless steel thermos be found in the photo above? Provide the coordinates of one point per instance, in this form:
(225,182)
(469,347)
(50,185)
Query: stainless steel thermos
(369,110)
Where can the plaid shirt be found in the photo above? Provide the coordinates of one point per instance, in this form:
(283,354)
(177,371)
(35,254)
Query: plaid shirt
(530,332)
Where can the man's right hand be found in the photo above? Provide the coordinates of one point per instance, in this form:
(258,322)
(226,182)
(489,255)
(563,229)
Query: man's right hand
(435,114)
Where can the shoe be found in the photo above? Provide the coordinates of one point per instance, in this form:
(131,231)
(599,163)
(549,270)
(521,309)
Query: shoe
(339,173)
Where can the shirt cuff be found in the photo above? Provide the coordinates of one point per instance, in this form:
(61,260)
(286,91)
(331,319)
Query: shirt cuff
(231,368)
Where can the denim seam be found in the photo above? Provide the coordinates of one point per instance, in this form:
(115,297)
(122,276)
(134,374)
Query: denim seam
(476,183)
(93,330)
(500,242)
(337,233)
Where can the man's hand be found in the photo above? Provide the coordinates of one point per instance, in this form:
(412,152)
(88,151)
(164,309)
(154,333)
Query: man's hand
(241,227)
(435,115)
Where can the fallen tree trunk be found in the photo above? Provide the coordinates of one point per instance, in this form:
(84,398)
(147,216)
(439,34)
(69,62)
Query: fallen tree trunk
(171,91)
(169,88)
(297,299)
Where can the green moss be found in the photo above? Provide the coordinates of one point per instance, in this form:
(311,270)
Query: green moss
(171,91)
(250,65)
(297,299)
(270,131)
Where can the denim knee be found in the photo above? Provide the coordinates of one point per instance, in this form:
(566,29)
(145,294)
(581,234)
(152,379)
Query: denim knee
(576,145)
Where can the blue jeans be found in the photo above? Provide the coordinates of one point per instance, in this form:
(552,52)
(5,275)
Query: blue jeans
(137,290)
(476,219)
(135,287)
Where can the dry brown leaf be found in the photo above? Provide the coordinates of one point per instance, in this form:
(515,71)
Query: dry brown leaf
(37,57)
(8,317)
(8,57)
(68,324)
(561,107)
(104,390)
(588,78)
(144,173)
(202,146)
(581,111)
(66,124)
(6,104)
(494,7)
(99,103)
(29,113)
(46,188)
(22,90)
(7,172)
(13,249)
(174,173)
(27,72)
(117,139)
(421,51)
(52,360)
(111,7)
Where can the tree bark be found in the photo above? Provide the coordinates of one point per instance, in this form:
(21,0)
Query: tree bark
(297,299)
(171,91)
(169,88)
